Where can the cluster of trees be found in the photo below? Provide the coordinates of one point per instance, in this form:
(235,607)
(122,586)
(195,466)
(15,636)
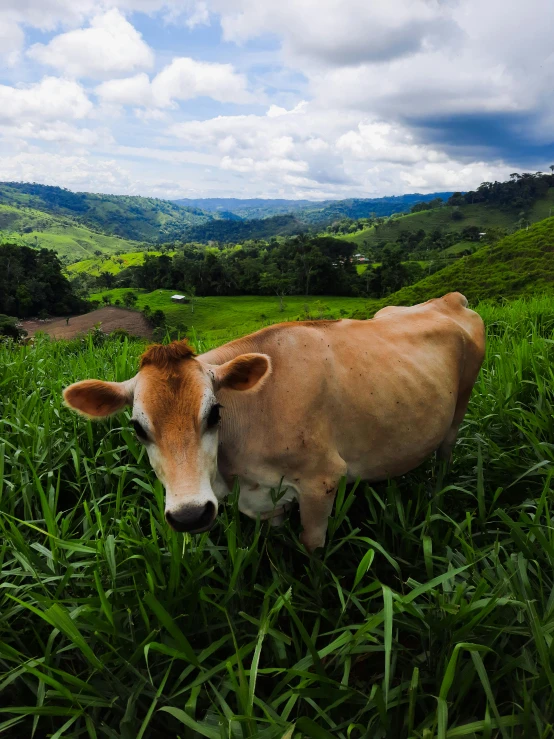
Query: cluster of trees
(349,225)
(9,327)
(235,230)
(32,283)
(517,193)
(300,265)
(426,205)
(391,274)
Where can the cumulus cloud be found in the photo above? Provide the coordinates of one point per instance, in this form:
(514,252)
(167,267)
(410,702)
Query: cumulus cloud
(75,172)
(412,59)
(311,151)
(393,91)
(11,40)
(50,99)
(183,79)
(58,132)
(109,46)
(336,33)
(50,14)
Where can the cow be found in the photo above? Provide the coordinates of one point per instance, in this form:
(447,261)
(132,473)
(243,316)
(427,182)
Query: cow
(296,407)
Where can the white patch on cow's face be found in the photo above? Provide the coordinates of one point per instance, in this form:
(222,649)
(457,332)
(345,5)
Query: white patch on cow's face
(183,455)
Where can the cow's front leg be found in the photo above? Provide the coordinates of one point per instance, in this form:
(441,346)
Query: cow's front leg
(316,506)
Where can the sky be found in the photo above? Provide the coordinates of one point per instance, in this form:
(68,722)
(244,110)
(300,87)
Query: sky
(310,99)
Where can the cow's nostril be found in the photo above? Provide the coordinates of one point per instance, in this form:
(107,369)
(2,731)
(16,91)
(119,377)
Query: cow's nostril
(192,519)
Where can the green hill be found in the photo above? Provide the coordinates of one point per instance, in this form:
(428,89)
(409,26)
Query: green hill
(66,236)
(444,218)
(129,217)
(518,265)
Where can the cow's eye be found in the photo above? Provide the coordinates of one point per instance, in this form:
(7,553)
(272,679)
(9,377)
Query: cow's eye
(213,416)
(139,430)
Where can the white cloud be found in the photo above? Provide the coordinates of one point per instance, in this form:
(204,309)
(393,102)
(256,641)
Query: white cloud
(109,46)
(187,78)
(390,87)
(134,90)
(383,142)
(51,14)
(183,79)
(199,16)
(75,172)
(58,132)
(50,99)
(315,151)
(337,32)
(406,59)
(11,40)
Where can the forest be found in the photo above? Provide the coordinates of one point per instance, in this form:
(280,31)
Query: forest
(32,284)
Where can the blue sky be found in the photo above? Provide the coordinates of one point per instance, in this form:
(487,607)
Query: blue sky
(281,98)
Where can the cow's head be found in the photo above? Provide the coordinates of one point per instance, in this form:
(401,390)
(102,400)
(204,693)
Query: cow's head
(176,416)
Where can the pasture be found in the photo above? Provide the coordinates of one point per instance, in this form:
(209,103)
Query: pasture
(429,615)
(217,319)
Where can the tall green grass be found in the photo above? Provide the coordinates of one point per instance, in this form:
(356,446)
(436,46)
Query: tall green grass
(430,613)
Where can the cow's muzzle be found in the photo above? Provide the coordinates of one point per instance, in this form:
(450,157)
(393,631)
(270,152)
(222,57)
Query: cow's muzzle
(192,519)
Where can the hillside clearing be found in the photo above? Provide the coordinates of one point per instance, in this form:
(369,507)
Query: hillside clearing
(114,265)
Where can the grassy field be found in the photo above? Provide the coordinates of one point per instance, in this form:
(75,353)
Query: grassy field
(64,235)
(441,218)
(219,319)
(461,246)
(114,264)
(429,615)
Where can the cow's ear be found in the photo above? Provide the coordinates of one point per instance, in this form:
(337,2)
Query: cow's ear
(246,372)
(97,399)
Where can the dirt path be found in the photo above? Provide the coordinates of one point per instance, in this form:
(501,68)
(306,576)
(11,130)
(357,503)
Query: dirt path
(110,318)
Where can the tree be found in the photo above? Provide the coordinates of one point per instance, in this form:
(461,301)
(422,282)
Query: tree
(129,300)
(9,327)
(191,292)
(31,281)
(277,282)
(393,273)
(106,279)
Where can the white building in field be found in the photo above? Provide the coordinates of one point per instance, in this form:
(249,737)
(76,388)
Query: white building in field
(179,299)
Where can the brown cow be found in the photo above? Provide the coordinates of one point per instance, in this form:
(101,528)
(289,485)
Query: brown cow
(298,406)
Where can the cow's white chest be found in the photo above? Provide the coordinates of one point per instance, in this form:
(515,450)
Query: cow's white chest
(257,499)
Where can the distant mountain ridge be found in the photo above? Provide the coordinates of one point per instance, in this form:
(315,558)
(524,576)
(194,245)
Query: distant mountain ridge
(311,212)
(133,218)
